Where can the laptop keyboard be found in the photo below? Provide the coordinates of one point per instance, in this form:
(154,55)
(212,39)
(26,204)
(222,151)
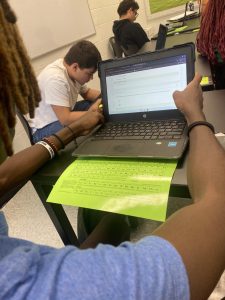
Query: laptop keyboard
(151,130)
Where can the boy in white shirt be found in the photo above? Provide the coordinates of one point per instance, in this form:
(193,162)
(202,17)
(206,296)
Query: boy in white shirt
(60,84)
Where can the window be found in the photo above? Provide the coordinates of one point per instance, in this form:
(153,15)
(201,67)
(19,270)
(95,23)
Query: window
(157,5)
(163,8)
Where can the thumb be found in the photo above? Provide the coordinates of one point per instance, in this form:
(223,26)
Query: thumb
(98,102)
(197,79)
(176,94)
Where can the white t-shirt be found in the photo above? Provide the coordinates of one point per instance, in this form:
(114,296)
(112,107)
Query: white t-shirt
(57,88)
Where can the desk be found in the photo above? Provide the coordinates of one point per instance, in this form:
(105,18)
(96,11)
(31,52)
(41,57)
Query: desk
(202,65)
(214,109)
(43,181)
(191,24)
(45,178)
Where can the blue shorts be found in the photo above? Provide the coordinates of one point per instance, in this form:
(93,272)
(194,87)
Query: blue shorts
(56,126)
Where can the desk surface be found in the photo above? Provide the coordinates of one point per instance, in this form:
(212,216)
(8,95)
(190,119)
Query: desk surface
(214,108)
(202,65)
(45,178)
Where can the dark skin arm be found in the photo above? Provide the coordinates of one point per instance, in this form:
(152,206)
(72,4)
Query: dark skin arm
(198,231)
(24,163)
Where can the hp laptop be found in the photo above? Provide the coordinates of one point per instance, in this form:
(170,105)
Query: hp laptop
(141,119)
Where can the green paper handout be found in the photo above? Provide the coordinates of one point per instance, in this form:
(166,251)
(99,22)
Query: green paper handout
(135,187)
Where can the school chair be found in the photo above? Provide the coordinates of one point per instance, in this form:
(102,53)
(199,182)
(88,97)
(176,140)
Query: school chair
(130,50)
(115,47)
(26,126)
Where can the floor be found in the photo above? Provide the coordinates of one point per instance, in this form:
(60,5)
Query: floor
(34,224)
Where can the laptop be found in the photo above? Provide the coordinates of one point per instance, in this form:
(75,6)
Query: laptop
(141,119)
(180,21)
(161,38)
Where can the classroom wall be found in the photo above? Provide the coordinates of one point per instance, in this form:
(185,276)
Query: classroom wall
(103,12)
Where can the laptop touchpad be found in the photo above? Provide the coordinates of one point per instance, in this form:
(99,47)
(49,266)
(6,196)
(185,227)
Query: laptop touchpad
(124,147)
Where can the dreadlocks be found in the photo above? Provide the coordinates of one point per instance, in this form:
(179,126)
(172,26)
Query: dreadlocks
(18,86)
(211,37)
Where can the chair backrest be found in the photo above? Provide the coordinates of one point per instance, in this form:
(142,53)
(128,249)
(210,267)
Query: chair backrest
(116,49)
(26,126)
(131,49)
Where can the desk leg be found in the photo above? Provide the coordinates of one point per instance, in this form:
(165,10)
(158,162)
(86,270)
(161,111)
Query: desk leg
(58,216)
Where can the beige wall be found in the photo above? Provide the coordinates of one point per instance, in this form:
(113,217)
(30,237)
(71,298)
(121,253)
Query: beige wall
(104,12)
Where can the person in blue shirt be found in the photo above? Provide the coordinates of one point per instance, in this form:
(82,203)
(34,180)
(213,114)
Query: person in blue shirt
(183,259)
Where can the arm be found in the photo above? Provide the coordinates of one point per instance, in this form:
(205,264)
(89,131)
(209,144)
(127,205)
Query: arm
(65,115)
(58,96)
(23,164)
(139,35)
(91,94)
(197,231)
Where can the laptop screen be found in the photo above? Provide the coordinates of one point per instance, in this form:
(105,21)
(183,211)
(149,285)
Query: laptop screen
(145,86)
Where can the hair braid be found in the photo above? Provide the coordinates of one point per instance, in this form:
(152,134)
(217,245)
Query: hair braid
(12,74)
(8,12)
(10,108)
(211,36)
(34,96)
(4,129)
(18,85)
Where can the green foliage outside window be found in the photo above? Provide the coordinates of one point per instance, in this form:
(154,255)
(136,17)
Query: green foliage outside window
(159,5)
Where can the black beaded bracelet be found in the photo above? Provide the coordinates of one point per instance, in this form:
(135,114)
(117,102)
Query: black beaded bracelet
(59,139)
(51,144)
(197,123)
(71,130)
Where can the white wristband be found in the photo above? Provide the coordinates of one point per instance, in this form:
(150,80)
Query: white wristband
(48,147)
